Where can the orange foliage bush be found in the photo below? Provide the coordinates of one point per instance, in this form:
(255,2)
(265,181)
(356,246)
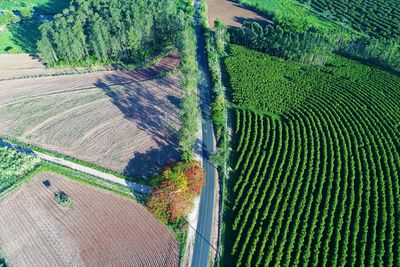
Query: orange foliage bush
(173,197)
(195,176)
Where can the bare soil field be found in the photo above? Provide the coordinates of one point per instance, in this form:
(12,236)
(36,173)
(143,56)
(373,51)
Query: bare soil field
(17,66)
(100,229)
(126,121)
(231,14)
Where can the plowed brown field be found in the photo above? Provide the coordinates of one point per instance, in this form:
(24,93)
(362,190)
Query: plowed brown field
(126,121)
(100,229)
(231,13)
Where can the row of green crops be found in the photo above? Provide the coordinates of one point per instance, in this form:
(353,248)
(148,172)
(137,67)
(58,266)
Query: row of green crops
(319,186)
(14,165)
(377,18)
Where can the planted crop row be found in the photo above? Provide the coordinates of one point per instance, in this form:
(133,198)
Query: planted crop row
(320,185)
(378,18)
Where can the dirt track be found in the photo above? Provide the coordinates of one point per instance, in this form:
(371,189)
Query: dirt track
(126,121)
(231,13)
(101,229)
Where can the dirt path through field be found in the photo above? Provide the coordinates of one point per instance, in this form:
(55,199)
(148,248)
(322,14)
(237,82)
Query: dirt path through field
(62,162)
(106,176)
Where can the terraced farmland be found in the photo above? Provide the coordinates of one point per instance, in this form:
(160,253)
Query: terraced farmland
(318,184)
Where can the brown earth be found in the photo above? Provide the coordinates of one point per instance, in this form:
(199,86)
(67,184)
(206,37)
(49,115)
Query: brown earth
(17,66)
(232,14)
(126,121)
(100,229)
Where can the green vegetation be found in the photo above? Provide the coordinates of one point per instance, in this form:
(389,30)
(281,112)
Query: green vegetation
(359,31)
(307,46)
(13,166)
(377,18)
(373,18)
(2,260)
(293,13)
(316,184)
(190,104)
(20,21)
(108,31)
(62,199)
(143,181)
(173,196)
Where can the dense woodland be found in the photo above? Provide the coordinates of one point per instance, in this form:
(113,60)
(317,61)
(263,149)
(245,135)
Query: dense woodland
(311,46)
(307,46)
(106,31)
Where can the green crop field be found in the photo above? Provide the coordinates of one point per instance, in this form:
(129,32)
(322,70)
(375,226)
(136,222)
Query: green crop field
(14,165)
(375,18)
(317,182)
(19,22)
(292,12)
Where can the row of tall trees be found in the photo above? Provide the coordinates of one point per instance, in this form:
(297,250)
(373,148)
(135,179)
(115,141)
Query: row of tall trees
(313,47)
(307,46)
(105,31)
(386,52)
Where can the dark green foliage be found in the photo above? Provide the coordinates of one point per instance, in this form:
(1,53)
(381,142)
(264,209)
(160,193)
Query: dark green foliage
(320,186)
(376,18)
(13,166)
(306,46)
(258,83)
(190,104)
(109,31)
(383,52)
(62,199)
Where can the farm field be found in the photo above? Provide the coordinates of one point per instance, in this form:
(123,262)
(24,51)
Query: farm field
(377,18)
(22,65)
(20,21)
(316,163)
(98,228)
(231,13)
(125,121)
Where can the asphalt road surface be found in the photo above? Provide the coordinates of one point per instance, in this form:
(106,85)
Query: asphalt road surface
(202,244)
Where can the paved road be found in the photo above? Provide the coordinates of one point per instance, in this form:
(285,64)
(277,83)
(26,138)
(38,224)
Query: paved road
(106,176)
(202,244)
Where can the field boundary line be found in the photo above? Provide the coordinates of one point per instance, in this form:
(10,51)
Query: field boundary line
(84,169)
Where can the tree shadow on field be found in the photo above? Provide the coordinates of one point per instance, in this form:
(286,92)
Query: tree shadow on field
(150,163)
(26,33)
(151,114)
(242,20)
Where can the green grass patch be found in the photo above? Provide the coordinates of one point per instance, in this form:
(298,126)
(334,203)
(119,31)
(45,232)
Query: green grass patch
(20,21)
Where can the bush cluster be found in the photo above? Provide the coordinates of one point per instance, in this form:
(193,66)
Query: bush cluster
(175,190)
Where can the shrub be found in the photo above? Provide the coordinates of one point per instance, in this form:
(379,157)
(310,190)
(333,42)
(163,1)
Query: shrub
(173,196)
